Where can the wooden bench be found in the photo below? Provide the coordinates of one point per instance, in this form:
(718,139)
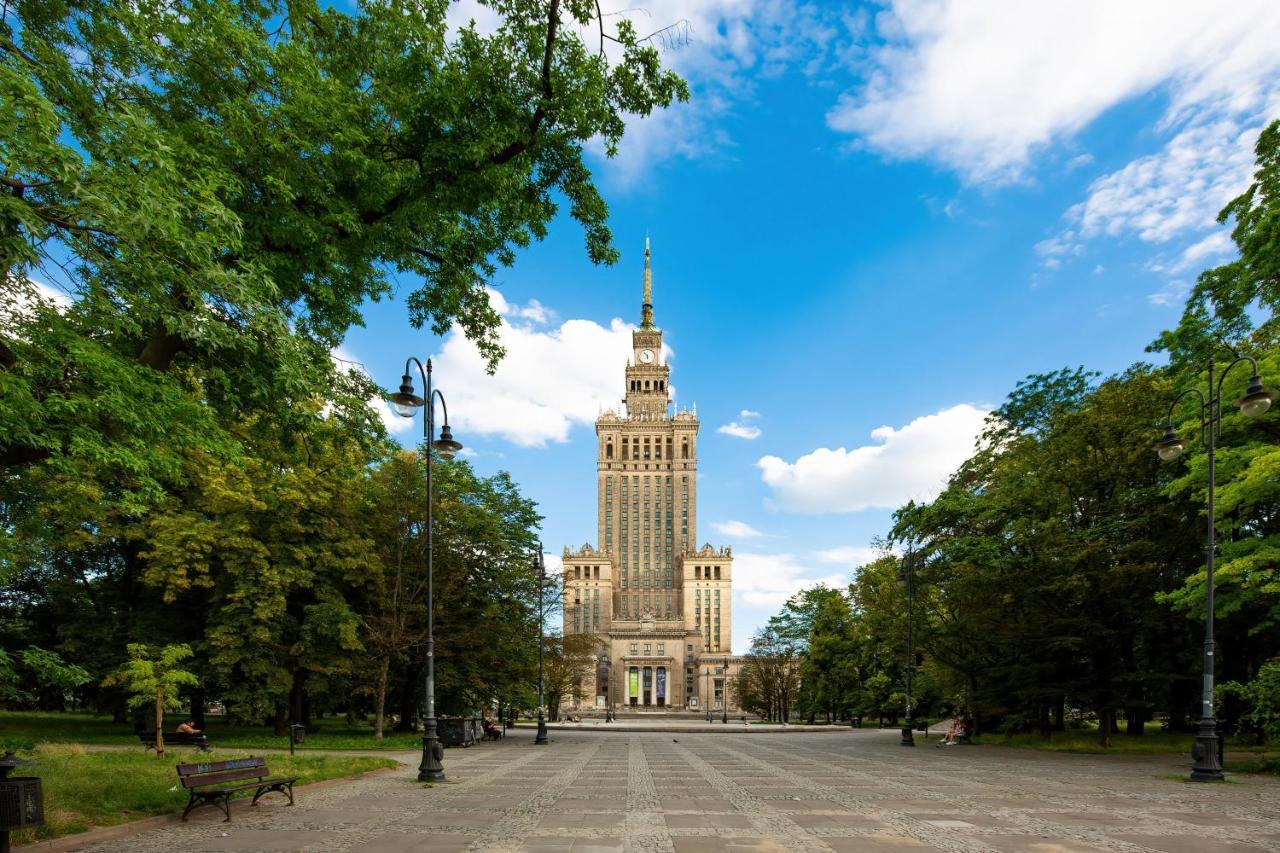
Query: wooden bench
(214,782)
(200,742)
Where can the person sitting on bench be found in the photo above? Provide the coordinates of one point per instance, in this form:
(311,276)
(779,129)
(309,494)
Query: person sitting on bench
(954,734)
(188,727)
(491,729)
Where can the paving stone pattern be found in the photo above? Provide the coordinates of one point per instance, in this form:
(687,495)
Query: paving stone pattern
(856,792)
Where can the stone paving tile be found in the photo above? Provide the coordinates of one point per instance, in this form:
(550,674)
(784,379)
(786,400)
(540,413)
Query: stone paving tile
(397,842)
(855,791)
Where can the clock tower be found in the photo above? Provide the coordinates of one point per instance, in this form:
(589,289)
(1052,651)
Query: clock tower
(648,396)
(659,606)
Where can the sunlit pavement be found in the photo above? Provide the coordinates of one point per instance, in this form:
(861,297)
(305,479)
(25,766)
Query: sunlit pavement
(690,793)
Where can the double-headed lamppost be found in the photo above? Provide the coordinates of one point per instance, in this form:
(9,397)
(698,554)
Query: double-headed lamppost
(406,403)
(724,695)
(540,571)
(607,663)
(907,578)
(1205,766)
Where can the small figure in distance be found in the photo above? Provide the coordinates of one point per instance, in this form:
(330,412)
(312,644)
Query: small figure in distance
(953,735)
(188,727)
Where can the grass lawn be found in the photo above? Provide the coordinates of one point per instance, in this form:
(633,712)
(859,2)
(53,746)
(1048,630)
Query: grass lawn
(85,789)
(29,727)
(1264,759)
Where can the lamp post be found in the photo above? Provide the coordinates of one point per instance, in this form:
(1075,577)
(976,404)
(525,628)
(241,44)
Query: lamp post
(406,403)
(1205,765)
(540,569)
(724,694)
(908,579)
(607,663)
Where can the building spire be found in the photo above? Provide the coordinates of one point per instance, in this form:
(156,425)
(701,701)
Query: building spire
(646,310)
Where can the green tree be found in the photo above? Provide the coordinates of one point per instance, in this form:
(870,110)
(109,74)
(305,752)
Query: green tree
(154,677)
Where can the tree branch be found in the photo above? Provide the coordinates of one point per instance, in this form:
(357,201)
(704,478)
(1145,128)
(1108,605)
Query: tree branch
(518,147)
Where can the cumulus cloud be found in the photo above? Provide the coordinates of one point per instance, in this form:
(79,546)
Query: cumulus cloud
(736,529)
(344,359)
(847,555)
(554,376)
(907,463)
(770,579)
(740,428)
(982,86)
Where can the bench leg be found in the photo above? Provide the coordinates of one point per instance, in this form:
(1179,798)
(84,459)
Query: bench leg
(226,808)
(191,804)
(285,788)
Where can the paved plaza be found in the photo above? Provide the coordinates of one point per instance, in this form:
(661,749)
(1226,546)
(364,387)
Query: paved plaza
(697,793)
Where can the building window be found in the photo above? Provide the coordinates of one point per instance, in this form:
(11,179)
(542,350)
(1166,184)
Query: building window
(648,649)
(634,648)
(662,648)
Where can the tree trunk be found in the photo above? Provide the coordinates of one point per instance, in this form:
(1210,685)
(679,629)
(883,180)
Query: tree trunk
(381,699)
(197,707)
(159,723)
(1060,714)
(1136,722)
(1106,718)
(281,723)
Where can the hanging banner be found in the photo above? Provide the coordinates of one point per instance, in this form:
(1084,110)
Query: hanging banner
(662,683)
(635,682)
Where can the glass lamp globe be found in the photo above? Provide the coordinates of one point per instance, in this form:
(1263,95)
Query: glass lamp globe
(404,410)
(1257,399)
(446,447)
(1170,447)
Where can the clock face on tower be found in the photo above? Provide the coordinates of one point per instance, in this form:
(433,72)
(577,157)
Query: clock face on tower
(646,355)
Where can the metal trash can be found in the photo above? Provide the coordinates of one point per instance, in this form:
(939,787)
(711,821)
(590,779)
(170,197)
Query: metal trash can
(21,799)
(297,735)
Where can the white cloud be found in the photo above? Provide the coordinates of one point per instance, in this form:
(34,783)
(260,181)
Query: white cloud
(741,429)
(983,85)
(1166,195)
(908,463)
(343,359)
(736,529)
(770,579)
(552,378)
(847,555)
(1172,294)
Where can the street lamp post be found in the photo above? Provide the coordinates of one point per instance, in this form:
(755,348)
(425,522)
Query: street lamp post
(725,696)
(406,403)
(1205,765)
(540,569)
(607,662)
(909,571)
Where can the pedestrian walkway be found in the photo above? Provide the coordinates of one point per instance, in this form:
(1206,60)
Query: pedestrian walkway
(857,791)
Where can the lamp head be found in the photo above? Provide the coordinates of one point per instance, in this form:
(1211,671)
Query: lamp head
(1257,399)
(445,446)
(1170,447)
(406,403)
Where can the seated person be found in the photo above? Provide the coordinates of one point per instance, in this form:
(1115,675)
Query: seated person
(490,728)
(953,735)
(188,727)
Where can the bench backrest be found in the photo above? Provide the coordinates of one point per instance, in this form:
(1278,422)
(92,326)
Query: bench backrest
(217,772)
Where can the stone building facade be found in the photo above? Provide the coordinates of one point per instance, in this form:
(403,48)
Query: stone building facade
(660,605)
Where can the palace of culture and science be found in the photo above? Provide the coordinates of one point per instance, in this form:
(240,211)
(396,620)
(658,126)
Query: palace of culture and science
(659,604)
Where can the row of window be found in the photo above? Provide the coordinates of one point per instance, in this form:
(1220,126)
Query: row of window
(636,450)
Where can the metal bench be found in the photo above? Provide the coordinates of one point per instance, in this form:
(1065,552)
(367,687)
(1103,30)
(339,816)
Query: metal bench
(200,742)
(214,782)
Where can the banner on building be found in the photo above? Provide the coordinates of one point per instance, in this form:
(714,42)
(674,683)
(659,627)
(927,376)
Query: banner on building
(635,682)
(662,683)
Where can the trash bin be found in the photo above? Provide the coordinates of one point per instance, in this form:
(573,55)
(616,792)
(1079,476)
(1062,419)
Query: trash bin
(21,799)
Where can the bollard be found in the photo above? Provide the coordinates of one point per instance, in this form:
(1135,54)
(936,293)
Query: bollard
(21,799)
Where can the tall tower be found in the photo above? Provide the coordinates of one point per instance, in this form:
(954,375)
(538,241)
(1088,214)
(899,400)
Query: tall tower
(658,603)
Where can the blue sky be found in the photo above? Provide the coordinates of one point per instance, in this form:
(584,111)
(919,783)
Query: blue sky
(869,223)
